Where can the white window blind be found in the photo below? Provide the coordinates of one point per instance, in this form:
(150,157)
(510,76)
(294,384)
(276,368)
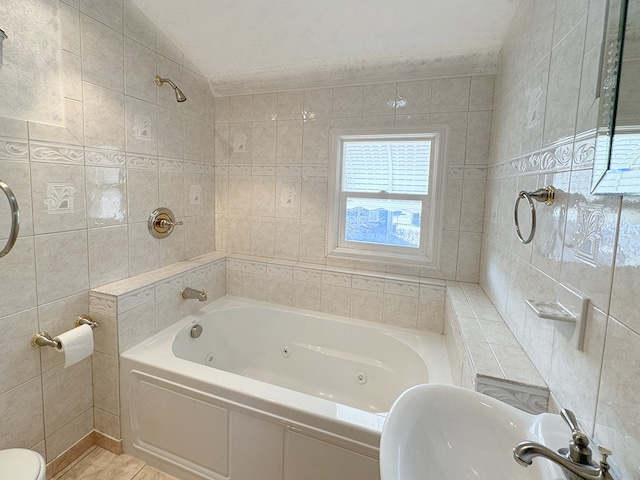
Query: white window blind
(390,166)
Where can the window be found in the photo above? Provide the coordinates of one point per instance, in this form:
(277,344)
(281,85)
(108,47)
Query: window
(385,195)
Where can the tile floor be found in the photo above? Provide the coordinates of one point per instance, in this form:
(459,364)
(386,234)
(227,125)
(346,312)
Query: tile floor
(99,464)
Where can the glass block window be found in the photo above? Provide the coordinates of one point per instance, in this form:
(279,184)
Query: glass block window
(384,195)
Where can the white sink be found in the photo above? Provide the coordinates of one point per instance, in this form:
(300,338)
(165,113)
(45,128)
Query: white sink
(443,432)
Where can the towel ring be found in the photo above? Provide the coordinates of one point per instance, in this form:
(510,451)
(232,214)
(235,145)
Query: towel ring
(15,219)
(545,195)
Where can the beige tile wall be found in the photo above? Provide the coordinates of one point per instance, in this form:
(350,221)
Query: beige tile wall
(545,109)
(85,193)
(129,147)
(272,156)
(401,300)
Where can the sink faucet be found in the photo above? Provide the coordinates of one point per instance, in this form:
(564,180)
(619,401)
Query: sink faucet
(575,460)
(191,293)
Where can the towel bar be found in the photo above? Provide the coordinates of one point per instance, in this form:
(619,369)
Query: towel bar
(545,195)
(15,219)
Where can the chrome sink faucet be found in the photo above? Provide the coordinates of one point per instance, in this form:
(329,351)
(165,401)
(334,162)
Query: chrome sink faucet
(575,461)
(188,293)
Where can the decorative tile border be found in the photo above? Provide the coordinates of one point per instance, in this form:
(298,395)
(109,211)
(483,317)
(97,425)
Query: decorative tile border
(584,153)
(142,162)
(135,299)
(279,271)
(170,165)
(169,285)
(195,275)
(263,170)
(194,167)
(105,158)
(54,153)
(294,170)
(216,267)
(399,287)
(315,170)
(329,277)
(307,274)
(467,172)
(239,169)
(455,172)
(367,282)
(475,173)
(234,264)
(289,170)
(257,268)
(13,150)
(576,152)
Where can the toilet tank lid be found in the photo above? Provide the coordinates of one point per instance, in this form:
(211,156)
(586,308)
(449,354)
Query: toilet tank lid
(21,464)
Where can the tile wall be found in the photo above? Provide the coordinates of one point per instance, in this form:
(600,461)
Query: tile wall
(272,155)
(132,310)
(85,193)
(401,300)
(544,114)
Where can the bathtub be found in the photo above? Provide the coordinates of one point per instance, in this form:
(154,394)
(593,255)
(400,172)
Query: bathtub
(269,392)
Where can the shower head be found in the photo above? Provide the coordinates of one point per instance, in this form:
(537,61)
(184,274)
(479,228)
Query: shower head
(180,97)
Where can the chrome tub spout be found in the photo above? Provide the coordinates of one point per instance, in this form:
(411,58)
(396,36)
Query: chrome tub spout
(189,293)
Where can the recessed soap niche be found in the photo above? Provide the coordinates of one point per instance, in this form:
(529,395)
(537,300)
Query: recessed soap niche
(568,312)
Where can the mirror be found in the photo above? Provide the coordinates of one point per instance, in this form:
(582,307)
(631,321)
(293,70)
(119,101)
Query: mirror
(617,160)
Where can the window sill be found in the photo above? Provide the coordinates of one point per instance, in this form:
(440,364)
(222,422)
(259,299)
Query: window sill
(416,259)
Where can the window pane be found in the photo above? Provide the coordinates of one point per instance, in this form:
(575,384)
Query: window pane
(383,222)
(395,167)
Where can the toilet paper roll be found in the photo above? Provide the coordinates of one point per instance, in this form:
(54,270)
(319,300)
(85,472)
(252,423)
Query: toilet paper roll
(77,344)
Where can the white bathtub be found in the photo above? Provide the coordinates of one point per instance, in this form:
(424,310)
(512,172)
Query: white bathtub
(269,392)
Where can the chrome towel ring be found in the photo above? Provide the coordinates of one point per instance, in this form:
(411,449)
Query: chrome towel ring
(15,219)
(546,195)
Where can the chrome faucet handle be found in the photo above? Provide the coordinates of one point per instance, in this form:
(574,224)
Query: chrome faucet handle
(579,450)
(605,452)
(578,435)
(164,223)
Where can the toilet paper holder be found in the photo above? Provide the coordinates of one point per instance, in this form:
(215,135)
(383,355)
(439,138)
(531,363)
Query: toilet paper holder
(43,339)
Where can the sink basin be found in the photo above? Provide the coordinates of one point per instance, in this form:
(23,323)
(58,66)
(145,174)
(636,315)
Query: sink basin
(446,432)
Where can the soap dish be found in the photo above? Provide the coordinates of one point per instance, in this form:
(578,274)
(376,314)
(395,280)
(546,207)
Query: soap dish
(569,312)
(551,311)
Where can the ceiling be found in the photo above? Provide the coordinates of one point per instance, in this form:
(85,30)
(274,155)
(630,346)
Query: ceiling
(246,46)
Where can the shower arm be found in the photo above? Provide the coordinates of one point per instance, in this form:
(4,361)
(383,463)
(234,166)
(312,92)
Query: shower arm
(160,81)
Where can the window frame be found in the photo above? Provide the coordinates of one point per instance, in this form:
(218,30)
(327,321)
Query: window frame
(431,225)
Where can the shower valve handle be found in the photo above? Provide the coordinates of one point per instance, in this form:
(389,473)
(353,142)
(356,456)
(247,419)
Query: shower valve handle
(161,222)
(164,223)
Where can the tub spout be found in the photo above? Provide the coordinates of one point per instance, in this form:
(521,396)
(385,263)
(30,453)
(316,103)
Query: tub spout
(188,293)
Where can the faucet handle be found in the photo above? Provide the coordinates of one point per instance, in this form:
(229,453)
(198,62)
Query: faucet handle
(569,417)
(605,452)
(579,450)
(578,435)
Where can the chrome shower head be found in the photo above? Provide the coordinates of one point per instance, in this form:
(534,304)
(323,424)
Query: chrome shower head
(180,97)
